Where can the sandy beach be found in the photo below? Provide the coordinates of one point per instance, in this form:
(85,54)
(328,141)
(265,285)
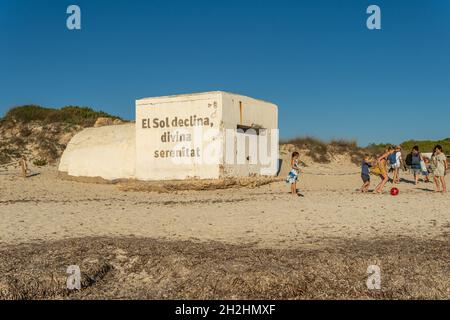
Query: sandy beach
(150,245)
(45,207)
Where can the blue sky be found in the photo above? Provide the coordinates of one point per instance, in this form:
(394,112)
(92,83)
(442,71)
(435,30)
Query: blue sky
(330,76)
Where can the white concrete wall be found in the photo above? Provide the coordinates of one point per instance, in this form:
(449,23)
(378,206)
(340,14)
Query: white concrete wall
(106,152)
(254,112)
(157,158)
(246,111)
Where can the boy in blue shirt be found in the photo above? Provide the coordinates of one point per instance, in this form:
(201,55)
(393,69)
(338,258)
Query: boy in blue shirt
(365,173)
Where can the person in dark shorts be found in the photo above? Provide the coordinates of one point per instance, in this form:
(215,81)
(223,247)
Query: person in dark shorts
(416,167)
(365,173)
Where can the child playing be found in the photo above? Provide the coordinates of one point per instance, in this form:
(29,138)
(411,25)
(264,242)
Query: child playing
(395,162)
(381,162)
(365,173)
(440,166)
(293,174)
(424,164)
(416,168)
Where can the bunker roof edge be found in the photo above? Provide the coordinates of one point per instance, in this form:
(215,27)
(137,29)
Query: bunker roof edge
(143,100)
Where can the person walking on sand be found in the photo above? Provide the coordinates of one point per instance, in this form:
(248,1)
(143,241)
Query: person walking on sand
(416,159)
(382,170)
(439,167)
(365,173)
(293,174)
(395,162)
(424,166)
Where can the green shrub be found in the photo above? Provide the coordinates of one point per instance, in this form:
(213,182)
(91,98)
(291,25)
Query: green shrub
(376,149)
(71,114)
(317,149)
(344,144)
(27,113)
(40,162)
(427,145)
(320,150)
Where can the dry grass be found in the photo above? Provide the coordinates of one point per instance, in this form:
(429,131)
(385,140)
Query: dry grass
(323,151)
(194,184)
(176,185)
(42,144)
(134,268)
(38,132)
(317,149)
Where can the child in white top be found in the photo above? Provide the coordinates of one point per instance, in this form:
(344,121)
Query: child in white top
(397,164)
(293,174)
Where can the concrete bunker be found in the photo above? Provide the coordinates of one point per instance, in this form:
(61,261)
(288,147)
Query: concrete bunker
(207,135)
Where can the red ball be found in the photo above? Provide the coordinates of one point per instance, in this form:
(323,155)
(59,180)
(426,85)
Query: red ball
(395,191)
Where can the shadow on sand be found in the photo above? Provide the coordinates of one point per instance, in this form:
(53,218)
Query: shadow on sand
(407,181)
(33,174)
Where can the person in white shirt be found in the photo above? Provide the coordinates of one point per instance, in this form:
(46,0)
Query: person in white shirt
(396,163)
